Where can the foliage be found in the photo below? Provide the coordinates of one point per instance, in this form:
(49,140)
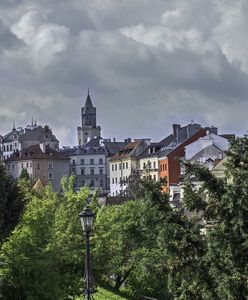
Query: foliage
(24,174)
(43,258)
(11,204)
(212,247)
(125,248)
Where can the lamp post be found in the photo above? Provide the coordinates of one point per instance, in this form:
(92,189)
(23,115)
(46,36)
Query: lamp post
(86,218)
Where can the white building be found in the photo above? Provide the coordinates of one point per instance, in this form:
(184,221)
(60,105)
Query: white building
(149,162)
(20,138)
(123,163)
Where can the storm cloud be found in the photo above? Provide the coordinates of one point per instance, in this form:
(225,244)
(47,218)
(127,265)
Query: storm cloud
(148,64)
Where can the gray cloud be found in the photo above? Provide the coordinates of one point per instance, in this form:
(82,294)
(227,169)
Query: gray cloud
(147,63)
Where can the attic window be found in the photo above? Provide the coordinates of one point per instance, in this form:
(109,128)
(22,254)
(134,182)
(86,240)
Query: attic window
(50,154)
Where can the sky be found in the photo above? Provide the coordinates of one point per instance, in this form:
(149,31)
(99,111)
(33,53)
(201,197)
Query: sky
(148,64)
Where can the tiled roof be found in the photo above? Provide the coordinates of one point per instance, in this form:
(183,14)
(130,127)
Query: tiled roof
(35,152)
(125,151)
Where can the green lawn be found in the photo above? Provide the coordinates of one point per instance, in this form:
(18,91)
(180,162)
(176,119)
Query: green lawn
(103,294)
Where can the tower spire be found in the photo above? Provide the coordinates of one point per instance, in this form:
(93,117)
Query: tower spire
(13,124)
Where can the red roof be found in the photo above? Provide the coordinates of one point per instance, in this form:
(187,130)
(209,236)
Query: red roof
(35,152)
(125,151)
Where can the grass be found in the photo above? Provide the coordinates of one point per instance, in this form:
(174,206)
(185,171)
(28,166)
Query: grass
(103,294)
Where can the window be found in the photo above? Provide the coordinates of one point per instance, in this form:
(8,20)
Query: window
(116,180)
(144,165)
(92,161)
(154,177)
(10,147)
(115,167)
(4,149)
(38,166)
(100,161)
(119,166)
(101,171)
(30,164)
(82,182)
(82,161)
(154,165)
(101,182)
(73,162)
(123,165)
(112,167)
(22,166)
(50,165)
(13,166)
(120,180)
(8,167)
(92,171)
(126,165)
(92,182)
(113,180)
(27,165)
(50,175)
(82,172)
(7,148)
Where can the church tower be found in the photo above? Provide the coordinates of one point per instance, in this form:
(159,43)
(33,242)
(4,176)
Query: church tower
(88,129)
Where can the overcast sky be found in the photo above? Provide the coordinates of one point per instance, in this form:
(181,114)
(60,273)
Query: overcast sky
(148,64)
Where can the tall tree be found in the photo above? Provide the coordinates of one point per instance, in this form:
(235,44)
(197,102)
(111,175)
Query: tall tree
(11,204)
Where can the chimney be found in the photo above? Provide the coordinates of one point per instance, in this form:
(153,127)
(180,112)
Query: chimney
(43,147)
(176,127)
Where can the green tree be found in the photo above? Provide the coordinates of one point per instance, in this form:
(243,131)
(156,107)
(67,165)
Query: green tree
(11,204)
(213,245)
(43,258)
(125,247)
(24,174)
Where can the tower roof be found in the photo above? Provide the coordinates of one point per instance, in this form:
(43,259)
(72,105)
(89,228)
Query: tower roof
(88,106)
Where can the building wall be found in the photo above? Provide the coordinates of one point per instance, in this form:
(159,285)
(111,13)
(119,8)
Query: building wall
(90,170)
(120,170)
(170,164)
(152,164)
(178,153)
(59,170)
(85,134)
(41,168)
(163,168)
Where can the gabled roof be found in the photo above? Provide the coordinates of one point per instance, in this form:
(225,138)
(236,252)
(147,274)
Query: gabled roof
(35,152)
(165,151)
(152,150)
(114,147)
(125,152)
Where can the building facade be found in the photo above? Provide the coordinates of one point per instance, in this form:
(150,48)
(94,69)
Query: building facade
(123,163)
(89,165)
(41,162)
(20,138)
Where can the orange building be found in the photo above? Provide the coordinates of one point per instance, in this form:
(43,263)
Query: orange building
(170,156)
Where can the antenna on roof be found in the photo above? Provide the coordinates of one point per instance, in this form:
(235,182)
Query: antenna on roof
(32,121)
(35,123)
(13,124)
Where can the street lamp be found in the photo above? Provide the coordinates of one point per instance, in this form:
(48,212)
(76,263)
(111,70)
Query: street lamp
(86,218)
